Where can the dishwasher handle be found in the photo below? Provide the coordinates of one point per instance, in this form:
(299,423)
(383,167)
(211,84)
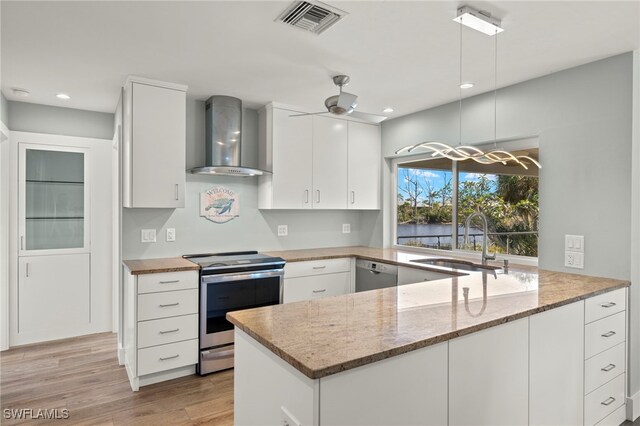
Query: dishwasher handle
(373,271)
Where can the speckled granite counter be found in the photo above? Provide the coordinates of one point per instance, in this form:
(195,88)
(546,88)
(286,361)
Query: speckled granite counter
(326,336)
(154,266)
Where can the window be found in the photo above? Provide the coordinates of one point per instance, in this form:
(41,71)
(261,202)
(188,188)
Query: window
(436,196)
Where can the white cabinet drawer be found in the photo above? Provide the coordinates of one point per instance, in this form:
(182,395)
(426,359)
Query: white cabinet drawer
(604,400)
(167,304)
(167,330)
(604,305)
(166,357)
(604,334)
(603,367)
(315,287)
(167,281)
(316,267)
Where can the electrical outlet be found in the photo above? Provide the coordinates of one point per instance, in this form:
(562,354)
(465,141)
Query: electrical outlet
(288,419)
(171,234)
(148,236)
(574,259)
(283,230)
(346,228)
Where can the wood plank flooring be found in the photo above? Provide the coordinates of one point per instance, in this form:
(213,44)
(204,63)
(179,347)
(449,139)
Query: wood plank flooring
(82,375)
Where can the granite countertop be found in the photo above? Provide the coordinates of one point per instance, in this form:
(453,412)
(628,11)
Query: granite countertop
(154,266)
(326,336)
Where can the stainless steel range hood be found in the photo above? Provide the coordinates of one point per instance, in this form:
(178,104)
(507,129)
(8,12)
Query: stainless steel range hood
(223,117)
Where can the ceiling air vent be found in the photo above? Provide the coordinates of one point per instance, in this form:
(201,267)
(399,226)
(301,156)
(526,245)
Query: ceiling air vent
(314,17)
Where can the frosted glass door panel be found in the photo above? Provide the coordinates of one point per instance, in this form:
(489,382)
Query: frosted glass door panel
(54,199)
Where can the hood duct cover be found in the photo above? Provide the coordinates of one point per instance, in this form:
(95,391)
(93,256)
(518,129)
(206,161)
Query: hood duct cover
(223,139)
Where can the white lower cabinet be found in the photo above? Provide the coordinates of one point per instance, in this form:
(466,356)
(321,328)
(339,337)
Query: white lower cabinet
(488,376)
(160,326)
(408,275)
(316,279)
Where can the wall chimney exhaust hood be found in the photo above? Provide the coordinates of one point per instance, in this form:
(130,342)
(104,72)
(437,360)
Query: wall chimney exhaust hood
(223,137)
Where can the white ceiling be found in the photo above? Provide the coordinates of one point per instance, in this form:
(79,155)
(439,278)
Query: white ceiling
(400,54)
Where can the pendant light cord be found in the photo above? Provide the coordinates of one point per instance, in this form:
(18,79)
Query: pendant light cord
(460,92)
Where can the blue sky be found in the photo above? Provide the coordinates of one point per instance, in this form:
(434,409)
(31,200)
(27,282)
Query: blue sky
(436,178)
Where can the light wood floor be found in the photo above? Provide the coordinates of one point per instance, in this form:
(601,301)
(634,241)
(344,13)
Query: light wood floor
(82,375)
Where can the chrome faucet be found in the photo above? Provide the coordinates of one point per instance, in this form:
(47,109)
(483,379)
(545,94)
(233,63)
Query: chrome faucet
(485,255)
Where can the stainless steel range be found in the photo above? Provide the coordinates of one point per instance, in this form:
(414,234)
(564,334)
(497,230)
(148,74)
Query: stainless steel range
(232,282)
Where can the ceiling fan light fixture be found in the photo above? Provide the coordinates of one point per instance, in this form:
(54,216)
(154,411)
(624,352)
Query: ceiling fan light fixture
(478,20)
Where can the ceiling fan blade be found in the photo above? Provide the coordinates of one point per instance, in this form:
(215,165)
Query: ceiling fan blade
(346,100)
(309,113)
(373,118)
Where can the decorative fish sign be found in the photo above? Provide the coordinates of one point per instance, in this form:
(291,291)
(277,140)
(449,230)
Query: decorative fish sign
(219,204)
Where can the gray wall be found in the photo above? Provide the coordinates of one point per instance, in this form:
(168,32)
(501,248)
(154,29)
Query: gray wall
(582,117)
(4,106)
(253,229)
(28,117)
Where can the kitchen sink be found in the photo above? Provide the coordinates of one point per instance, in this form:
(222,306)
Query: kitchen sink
(462,265)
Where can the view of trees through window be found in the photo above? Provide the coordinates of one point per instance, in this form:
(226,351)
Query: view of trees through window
(425,209)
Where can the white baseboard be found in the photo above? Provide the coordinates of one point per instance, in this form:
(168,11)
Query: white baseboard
(633,407)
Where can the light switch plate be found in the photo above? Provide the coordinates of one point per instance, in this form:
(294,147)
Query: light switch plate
(171,234)
(148,236)
(574,243)
(283,230)
(346,228)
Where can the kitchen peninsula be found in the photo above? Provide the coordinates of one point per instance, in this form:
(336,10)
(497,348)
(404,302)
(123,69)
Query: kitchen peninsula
(515,347)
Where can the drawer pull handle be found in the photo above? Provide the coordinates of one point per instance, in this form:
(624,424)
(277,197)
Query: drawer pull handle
(175,330)
(608,401)
(169,282)
(608,334)
(608,305)
(320,291)
(170,304)
(608,367)
(319,267)
(170,357)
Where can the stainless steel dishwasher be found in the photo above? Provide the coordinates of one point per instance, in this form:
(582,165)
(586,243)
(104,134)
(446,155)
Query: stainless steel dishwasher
(374,275)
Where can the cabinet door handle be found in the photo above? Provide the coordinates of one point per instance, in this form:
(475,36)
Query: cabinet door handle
(175,330)
(27,270)
(608,305)
(306,196)
(176,192)
(353,197)
(608,401)
(319,267)
(608,334)
(170,357)
(608,367)
(169,282)
(318,196)
(170,304)
(22,242)
(320,291)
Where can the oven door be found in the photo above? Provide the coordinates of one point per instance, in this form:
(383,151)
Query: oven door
(220,294)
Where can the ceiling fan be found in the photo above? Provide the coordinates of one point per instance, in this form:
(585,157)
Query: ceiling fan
(344,104)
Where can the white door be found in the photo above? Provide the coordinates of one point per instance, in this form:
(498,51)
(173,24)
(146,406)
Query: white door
(329,163)
(158,169)
(364,166)
(292,152)
(53,297)
(53,198)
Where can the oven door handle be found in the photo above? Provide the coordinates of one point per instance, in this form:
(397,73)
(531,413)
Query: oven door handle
(213,279)
(211,355)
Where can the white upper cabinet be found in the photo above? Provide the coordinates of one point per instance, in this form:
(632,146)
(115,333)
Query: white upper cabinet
(318,162)
(364,159)
(329,163)
(154,134)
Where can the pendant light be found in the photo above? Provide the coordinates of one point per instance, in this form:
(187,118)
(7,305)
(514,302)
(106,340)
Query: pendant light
(483,22)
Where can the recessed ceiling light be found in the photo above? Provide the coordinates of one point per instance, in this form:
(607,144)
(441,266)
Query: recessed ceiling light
(388,110)
(478,20)
(467,85)
(63,96)
(23,93)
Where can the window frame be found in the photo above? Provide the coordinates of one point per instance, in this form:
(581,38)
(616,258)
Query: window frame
(510,145)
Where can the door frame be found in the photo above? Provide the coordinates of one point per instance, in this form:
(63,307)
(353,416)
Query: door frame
(4,235)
